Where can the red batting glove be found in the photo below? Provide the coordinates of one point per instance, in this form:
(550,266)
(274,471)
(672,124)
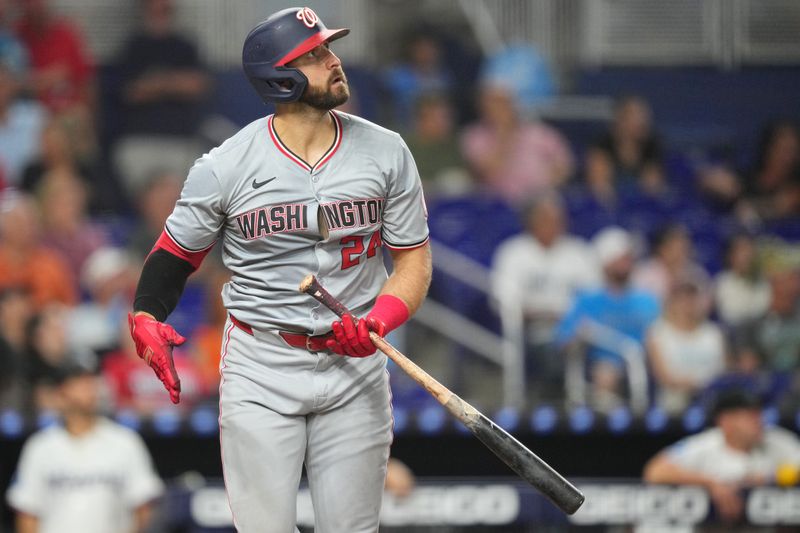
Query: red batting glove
(352,338)
(154,341)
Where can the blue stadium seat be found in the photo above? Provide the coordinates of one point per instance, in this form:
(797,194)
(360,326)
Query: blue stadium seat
(586,215)
(786,228)
(473,225)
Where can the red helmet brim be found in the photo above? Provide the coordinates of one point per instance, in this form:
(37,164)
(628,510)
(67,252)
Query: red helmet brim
(311,43)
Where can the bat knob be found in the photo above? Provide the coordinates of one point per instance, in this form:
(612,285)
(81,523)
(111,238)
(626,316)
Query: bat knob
(307,282)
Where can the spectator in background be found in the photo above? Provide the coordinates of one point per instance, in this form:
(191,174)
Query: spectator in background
(165,82)
(133,387)
(772,189)
(617,305)
(539,273)
(775,336)
(21,121)
(46,351)
(434,145)
(670,262)
(686,350)
(15,312)
(422,72)
(24,262)
(108,277)
(165,86)
(741,293)
(630,148)
(593,201)
(156,198)
(738,452)
(89,475)
(600,178)
(512,157)
(66,226)
(721,190)
(62,71)
(57,155)
(62,75)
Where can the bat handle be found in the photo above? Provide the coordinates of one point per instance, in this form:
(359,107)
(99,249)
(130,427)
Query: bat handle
(312,287)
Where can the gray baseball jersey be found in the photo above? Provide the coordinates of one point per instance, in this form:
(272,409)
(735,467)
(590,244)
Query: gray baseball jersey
(281,219)
(281,406)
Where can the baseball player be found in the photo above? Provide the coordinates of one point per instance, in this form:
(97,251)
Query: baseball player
(306,190)
(88,474)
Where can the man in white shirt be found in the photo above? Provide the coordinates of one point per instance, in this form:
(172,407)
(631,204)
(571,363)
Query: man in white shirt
(539,272)
(90,475)
(737,453)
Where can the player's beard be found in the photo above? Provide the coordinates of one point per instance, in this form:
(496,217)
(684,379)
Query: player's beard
(328,98)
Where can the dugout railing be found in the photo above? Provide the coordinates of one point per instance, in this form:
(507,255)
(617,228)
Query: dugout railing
(507,350)
(594,334)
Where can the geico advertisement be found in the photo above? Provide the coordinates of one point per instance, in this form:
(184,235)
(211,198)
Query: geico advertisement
(476,503)
(615,503)
(632,504)
(426,505)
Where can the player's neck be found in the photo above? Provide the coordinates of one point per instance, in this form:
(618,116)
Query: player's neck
(738,444)
(78,425)
(306,131)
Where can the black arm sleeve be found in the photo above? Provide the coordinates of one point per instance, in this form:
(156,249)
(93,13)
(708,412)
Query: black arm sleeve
(161,284)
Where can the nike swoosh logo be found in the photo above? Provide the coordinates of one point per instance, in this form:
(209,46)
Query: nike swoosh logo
(259,184)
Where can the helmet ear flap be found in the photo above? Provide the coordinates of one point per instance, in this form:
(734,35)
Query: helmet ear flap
(281,85)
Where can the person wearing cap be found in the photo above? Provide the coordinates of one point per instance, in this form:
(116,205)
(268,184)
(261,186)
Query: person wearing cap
(737,452)
(616,305)
(108,277)
(88,474)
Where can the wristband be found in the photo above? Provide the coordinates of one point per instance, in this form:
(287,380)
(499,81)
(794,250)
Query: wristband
(390,310)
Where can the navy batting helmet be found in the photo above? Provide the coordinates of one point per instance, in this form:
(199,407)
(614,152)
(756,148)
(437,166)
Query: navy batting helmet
(284,36)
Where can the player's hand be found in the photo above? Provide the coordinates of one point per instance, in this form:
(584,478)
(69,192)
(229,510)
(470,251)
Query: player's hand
(154,341)
(351,336)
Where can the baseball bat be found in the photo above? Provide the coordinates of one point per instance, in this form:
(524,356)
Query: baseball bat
(520,459)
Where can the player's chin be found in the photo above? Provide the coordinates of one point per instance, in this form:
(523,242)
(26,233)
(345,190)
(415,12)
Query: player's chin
(339,96)
(327,100)
(340,90)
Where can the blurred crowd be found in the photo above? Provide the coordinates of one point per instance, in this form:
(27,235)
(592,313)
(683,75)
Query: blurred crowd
(78,215)
(680,255)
